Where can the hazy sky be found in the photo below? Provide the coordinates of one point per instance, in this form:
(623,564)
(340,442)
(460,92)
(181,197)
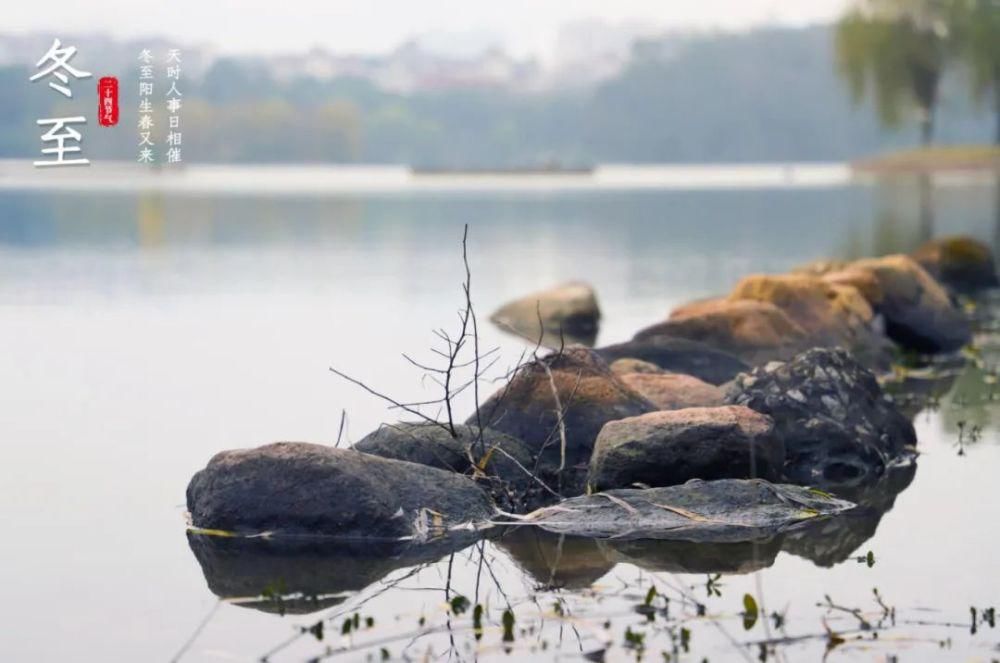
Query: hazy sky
(523,26)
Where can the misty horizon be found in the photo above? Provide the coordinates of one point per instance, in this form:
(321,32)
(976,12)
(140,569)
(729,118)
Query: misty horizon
(444,26)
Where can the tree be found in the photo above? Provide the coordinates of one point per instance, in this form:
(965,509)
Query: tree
(896,50)
(976,25)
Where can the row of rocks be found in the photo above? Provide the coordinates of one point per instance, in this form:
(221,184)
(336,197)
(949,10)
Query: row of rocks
(823,303)
(770,382)
(866,307)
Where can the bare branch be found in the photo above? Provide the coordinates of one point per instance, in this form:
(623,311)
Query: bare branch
(388,399)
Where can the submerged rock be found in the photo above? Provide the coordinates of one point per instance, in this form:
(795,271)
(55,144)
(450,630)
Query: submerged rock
(570,309)
(589,396)
(673,391)
(961,263)
(829,411)
(726,510)
(507,460)
(918,313)
(300,488)
(754,331)
(678,355)
(671,447)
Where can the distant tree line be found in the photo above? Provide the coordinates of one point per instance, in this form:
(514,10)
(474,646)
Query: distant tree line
(766,95)
(898,50)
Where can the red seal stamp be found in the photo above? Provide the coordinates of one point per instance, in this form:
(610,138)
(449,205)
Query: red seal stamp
(107,101)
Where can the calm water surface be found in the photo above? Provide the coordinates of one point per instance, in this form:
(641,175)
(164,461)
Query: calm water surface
(143,332)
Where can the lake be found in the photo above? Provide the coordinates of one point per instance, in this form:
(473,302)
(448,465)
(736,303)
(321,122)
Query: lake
(146,326)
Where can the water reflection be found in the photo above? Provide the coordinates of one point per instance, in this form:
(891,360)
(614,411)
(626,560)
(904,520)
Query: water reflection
(829,542)
(689,557)
(300,576)
(123,299)
(554,561)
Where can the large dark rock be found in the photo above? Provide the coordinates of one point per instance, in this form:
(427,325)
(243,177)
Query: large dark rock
(919,314)
(678,355)
(727,510)
(963,264)
(589,394)
(670,447)
(836,424)
(300,488)
(507,468)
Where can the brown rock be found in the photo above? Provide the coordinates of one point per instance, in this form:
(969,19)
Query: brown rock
(861,279)
(673,391)
(629,365)
(754,331)
(832,314)
(821,309)
(590,395)
(671,447)
(820,267)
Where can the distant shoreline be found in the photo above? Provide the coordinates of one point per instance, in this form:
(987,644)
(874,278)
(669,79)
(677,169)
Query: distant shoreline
(351,180)
(936,159)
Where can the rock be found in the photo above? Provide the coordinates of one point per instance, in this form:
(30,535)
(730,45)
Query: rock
(820,267)
(673,391)
(963,264)
(590,395)
(864,281)
(671,447)
(754,331)
(570,308)
(727,510)
(820,308)
(626,366)
(299,488)
(832,314)
(919,314)
(678,355)
(509,461)
(837,426)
